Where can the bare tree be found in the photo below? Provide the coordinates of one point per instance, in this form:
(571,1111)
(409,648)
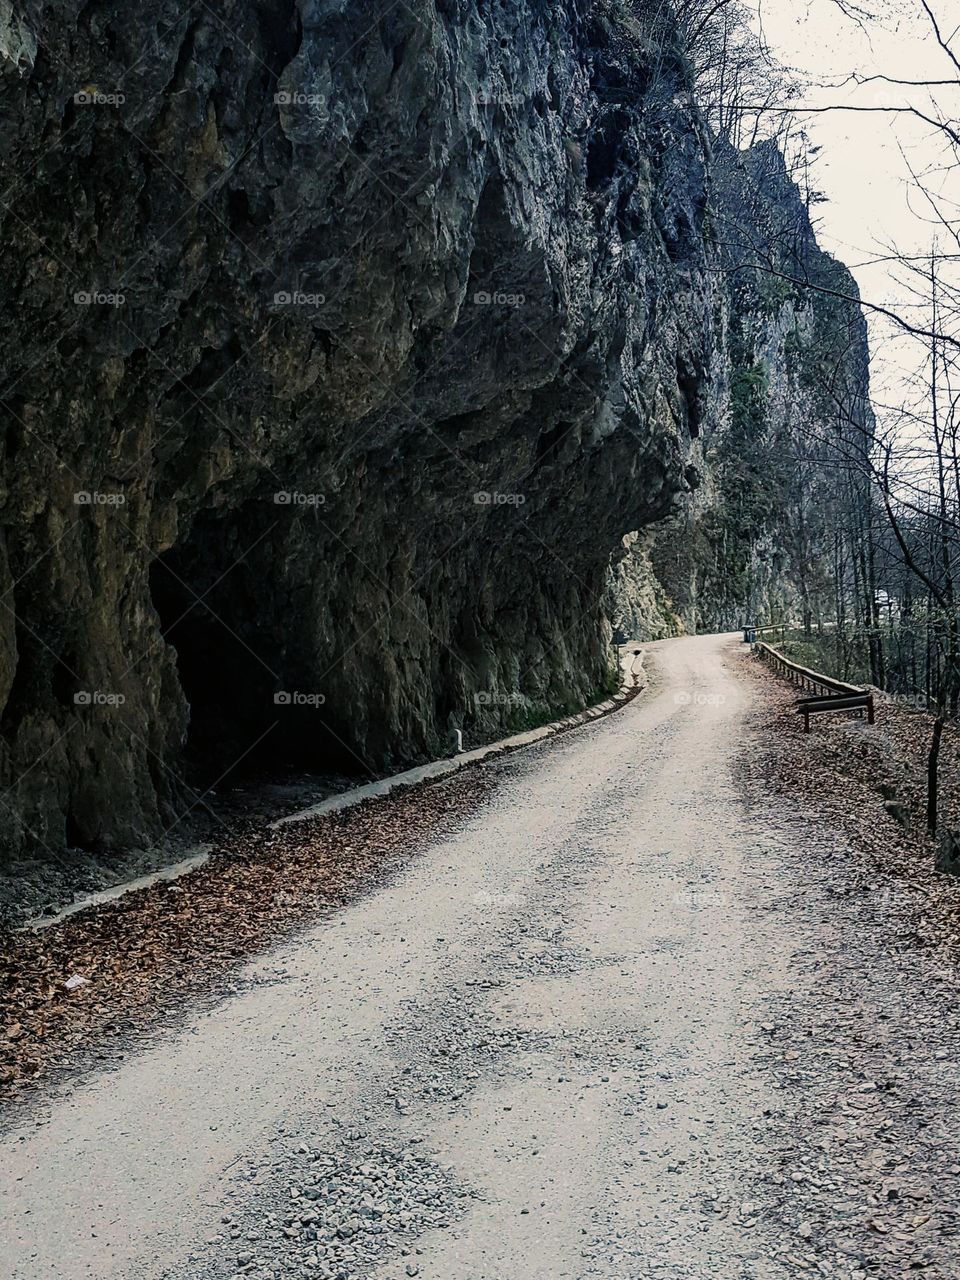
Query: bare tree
(895,506)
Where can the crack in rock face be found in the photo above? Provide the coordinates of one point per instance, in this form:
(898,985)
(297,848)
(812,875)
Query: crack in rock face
(342,347)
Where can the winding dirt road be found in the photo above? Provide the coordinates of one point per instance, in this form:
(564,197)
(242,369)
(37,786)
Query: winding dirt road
(629,1022)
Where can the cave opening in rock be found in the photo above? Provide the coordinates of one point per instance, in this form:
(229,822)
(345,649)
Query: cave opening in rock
(247,720)
(604,150)
(76,836)
(219,672)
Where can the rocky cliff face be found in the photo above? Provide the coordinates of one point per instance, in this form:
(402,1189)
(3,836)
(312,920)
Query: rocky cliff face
(342,342)
(637,603)
(789,381)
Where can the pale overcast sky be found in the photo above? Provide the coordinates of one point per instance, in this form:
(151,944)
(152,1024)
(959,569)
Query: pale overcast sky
(861,168)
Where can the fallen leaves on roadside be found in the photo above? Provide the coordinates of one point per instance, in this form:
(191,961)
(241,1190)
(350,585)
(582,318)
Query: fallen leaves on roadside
(844,772)
(79,987)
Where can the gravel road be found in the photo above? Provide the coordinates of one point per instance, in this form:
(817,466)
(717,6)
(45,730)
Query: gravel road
(629,1022)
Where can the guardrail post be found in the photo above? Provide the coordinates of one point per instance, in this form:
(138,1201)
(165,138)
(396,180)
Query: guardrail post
(830,694)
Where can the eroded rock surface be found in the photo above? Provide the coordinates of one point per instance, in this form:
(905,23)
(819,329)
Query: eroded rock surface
(342,343)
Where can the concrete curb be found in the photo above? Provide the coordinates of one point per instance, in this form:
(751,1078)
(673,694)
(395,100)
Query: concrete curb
(172,872)
(633,684)
(453,764)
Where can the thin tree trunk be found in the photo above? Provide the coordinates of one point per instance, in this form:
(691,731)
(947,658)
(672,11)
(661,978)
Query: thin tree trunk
(933,775)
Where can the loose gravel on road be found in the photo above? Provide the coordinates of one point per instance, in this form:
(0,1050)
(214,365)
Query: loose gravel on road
(638,1014)
(341,1212)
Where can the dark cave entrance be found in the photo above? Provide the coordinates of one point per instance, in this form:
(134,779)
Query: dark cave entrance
(604,150)
(242,728)
(220,673)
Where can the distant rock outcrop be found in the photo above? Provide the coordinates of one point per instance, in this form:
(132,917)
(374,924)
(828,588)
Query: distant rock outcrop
(790,380)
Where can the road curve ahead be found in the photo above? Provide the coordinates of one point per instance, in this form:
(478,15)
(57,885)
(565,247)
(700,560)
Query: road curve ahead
(568,1041)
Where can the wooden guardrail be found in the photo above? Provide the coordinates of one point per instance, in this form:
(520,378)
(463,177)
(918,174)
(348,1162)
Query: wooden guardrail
(829,695)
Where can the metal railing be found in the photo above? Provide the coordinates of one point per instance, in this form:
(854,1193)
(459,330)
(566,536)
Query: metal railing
(750,632)
(829,695)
